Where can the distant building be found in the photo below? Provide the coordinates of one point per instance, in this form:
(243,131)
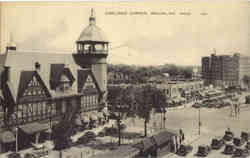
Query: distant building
(37,87)
(225,70)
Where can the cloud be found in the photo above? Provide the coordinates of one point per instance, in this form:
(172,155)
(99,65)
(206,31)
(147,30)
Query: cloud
(44,38)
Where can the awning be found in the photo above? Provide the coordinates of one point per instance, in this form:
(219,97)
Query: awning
(7,137)
(35,127)
(93,116)
(84,117)
(100,115)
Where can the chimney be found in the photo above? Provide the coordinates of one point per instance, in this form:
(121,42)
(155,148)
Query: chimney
(11,46)
(37,66)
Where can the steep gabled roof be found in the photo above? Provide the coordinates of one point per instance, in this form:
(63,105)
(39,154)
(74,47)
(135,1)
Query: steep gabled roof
(82,77)
(25,61)
(25,78)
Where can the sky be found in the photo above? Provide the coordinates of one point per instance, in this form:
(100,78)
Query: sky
(134,39)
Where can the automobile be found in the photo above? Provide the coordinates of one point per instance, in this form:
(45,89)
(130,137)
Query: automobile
(101,134)
(217,143)
(203,150)
(210,105)
(196,105)
(242,153)
(229,149)
(14,155)
(90,135)
(245,136)
(37,146)
(238,141)
(228,136)
(83,140)
(123,126)
(111,131)
(184,150)
(247,146)
(41,153)
(29,155)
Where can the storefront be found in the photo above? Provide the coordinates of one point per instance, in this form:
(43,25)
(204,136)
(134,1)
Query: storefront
(30,134)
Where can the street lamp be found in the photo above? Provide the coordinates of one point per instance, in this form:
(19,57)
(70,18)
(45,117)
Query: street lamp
(164,117)
(117,109)
(199,120)
(199,117)
(16,131)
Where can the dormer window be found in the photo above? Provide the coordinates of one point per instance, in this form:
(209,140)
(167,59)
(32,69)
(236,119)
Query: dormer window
(61,78)
(64,83)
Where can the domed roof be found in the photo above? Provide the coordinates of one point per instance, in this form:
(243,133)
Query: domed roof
(92,32)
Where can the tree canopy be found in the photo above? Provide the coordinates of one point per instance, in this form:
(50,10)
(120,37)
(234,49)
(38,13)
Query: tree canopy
(140,74)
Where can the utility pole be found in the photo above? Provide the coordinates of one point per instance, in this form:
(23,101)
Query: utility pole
(119,126)
(16,129)
(199,119)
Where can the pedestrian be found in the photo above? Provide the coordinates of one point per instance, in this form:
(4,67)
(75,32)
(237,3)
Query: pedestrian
(238,108)
(235,110)
(181,136)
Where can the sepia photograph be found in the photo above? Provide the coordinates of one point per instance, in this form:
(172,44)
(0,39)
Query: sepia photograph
(134,79)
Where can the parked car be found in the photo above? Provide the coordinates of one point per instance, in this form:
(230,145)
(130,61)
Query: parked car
(217,143)
(245,136)
(83,140)
(184,150)
(29,155)
(41,153)
(196,105)
(211,105)
(241,153)
(229,149)
(247,145)
(14,155)
(238,141)
(203,150)
(90,135)
(101,134)
(228,136)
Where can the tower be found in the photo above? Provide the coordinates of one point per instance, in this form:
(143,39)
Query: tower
(92,51)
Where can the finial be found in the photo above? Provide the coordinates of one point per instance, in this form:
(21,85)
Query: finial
(92,17)
(92,12)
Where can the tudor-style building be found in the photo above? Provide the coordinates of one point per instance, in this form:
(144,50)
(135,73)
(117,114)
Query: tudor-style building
(40,86)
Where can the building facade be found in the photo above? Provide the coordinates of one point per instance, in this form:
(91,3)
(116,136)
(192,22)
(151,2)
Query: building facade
(40,86)
(225,70)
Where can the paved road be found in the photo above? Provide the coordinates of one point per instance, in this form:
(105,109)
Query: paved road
(214,123)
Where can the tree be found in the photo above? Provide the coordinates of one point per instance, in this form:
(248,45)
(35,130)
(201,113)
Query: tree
(143,97)
(120,99)
(246,80)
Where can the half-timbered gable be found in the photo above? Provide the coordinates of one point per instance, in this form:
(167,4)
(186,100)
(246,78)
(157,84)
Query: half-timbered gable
(31,87)
(87,85)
